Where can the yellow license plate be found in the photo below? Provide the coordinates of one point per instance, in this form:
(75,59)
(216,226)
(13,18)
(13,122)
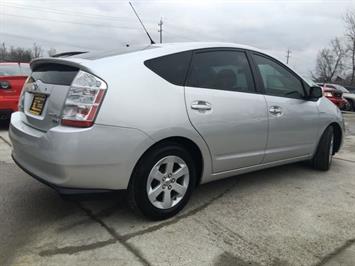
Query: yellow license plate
(38,103)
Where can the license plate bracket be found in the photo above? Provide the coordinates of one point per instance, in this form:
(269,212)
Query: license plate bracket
(38,103)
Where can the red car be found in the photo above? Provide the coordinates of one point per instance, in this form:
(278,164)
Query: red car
(12,78)
(335,96)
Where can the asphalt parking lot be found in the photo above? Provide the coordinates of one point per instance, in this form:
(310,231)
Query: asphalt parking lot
(289,215)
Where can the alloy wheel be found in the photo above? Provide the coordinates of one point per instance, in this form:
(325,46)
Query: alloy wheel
(168,182)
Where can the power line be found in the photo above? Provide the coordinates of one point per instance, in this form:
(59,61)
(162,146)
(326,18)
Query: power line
(45,40)
(182,37)
(73,22)
(62,12)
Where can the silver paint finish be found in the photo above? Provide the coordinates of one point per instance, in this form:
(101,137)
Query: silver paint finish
(235,129)
(235,132)
(293,132)
(96,157)
(167,182)
(56,95)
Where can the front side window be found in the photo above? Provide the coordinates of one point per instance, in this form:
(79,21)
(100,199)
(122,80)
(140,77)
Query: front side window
(221,70)
(278,80)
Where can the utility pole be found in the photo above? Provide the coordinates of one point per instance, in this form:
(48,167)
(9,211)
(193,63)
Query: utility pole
(288,55)
(161,30)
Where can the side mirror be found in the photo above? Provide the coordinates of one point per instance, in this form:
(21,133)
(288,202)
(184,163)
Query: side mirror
(315,92)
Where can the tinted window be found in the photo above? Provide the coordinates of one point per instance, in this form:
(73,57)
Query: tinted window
(278,80)
(172,68)
(55,74)
(221,70)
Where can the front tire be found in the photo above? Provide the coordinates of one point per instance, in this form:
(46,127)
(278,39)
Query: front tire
(324,154)
(162,182)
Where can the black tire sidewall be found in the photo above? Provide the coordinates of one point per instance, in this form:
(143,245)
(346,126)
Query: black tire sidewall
(140,177)
(321,159)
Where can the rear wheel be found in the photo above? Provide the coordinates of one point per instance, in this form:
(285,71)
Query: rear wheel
(352,105)
(162,182)
(324,154)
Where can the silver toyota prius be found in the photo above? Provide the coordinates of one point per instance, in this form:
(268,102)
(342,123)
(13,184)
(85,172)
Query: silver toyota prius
(158,121)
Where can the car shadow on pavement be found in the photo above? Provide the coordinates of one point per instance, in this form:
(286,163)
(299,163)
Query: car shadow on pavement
(114,207)
(4,124)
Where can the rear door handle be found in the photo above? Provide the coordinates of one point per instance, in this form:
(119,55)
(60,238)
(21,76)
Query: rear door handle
(275,110)
(201,106)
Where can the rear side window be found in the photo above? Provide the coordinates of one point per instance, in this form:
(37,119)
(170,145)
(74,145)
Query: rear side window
(221,70)
(172,68)
(55,74)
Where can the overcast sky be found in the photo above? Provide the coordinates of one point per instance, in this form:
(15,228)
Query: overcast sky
(275,26)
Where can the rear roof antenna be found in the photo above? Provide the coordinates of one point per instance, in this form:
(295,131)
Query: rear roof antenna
(135,12)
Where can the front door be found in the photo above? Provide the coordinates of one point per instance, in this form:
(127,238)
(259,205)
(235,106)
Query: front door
(293,120)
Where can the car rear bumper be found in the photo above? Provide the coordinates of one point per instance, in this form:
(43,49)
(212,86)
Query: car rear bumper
(100,157)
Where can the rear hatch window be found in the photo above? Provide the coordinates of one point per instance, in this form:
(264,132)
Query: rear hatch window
(54,74)
(10,70)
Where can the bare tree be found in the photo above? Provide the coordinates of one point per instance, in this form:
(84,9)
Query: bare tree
(349,20)
(330,61)
(37,50)
(3,52)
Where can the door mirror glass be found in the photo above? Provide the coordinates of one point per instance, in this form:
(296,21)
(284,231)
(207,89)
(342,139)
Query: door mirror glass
(315,92)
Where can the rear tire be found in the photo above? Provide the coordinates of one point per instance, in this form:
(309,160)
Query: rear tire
(352,105)
(162,182)
(324,154)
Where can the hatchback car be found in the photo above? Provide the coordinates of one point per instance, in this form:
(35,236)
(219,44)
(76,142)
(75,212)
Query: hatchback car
(160,120)
(12,78)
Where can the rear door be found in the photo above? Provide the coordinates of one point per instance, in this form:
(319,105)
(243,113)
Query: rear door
(225,109)
(45,94)
(293,120)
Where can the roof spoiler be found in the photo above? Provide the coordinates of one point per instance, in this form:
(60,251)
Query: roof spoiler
(67,54)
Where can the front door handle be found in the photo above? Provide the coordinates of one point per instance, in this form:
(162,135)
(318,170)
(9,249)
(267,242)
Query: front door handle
(275,110)
(201,106)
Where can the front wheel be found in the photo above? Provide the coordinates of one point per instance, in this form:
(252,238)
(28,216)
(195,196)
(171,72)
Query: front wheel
(324,154)
(162,182)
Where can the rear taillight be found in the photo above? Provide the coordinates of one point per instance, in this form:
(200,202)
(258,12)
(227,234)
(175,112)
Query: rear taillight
(83,100)
(27,85)
(328,94)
